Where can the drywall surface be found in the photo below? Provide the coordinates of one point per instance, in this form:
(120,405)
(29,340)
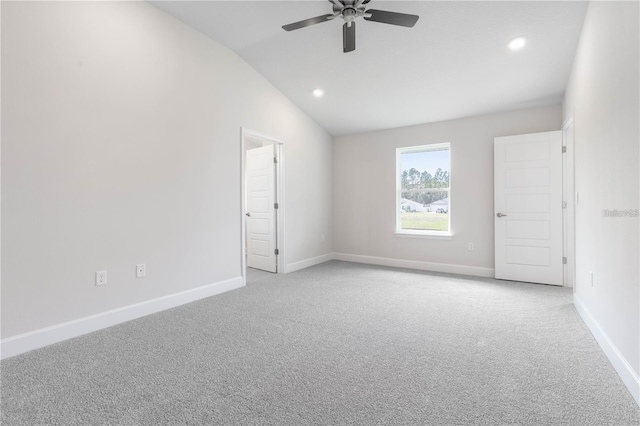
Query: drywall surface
(603,97)
(364,168)
(121,145)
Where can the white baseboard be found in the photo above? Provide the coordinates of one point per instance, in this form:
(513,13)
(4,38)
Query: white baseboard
(476,271)
(57,333)
(622,367)
(296,266)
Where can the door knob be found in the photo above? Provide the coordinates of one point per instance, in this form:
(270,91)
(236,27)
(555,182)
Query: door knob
(248,214)
(501,215)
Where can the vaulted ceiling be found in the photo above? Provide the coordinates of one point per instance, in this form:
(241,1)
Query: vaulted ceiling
(454,63)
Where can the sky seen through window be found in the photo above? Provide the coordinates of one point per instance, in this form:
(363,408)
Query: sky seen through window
(428,161)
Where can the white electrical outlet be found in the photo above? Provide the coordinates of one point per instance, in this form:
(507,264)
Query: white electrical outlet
(322,238)
(141,270)
(471,246)
(101,277)
(591,273)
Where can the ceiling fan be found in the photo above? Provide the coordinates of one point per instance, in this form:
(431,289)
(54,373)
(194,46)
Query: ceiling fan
(349,10)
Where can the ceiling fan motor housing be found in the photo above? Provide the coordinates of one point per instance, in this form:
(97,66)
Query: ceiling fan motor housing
(348,10)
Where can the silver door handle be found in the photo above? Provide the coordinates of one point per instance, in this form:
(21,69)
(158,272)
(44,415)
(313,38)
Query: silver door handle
(248,214)
(501,215)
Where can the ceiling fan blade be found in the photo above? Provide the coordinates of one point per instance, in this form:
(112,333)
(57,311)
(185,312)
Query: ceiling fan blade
(349,37)
(393,18)
(307,22)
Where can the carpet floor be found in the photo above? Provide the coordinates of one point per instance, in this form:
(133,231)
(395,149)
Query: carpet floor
(334,344)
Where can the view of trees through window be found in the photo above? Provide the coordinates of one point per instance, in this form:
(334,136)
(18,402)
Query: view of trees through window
(424,174)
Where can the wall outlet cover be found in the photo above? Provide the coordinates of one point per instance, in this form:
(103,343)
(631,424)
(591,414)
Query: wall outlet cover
(101,277)
(141,270)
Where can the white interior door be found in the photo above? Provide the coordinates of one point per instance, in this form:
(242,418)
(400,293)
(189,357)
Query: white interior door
(261,212)
(528,207)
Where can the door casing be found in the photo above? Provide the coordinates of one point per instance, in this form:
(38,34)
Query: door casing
(569,197)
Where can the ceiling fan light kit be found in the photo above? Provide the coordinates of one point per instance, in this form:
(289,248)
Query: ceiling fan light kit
(349,11)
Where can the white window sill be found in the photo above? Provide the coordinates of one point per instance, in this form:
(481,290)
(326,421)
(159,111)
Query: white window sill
(425,234)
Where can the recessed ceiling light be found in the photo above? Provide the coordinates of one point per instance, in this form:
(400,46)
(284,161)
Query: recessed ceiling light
(318,93)
(517,43)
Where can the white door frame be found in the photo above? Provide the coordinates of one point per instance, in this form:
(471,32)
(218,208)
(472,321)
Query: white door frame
(568,196)
(244,133)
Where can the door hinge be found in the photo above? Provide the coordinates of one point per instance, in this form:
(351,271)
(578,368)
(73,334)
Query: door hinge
(275,160)
(276,252)
(564,204)
(564,260)
(564,149)
(275,206)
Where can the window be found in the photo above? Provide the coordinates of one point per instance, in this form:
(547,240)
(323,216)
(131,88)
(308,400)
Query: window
(423,190)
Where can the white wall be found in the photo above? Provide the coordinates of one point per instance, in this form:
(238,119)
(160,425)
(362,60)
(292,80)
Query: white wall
(603,97)
(364,189)
(121,145)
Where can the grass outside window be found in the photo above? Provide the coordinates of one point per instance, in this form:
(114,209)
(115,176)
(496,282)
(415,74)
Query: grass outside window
(425,221)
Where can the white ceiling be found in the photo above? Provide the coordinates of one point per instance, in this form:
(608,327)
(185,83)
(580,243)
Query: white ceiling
(454,63)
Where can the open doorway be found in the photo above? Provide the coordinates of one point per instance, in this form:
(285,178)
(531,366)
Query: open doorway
(535,199)
(262,187)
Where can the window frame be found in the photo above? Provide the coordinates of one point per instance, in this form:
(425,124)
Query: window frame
(416,232)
